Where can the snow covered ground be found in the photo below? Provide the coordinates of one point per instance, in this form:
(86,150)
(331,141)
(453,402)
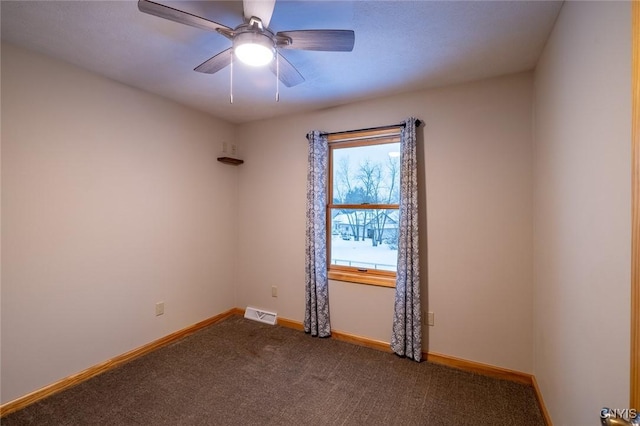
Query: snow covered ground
(362,254)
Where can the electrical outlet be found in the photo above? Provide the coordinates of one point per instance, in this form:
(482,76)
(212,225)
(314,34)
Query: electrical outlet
(234,149)
(431,319)
(274,291)
(225,147)
(159,308)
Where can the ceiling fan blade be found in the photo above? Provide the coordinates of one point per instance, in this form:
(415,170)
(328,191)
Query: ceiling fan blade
(179,16)
(323,40)
(262,9)
(288,74)
(215,64)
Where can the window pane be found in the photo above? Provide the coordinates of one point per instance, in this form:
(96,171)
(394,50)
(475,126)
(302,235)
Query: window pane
(366,174)
(365,238)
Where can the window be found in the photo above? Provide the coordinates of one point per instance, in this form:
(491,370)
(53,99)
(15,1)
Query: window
(362,209)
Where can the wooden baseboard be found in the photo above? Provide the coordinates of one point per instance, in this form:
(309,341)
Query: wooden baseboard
(296,325)
(543,408)
(95,370)
(237,311)
(369,343)
(341,335)
(480,368)
(360,341)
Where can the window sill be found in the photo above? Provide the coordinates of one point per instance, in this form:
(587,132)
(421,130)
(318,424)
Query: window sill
(359,278)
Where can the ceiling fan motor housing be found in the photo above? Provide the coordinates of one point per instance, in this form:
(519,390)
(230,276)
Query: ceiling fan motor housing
(258,44)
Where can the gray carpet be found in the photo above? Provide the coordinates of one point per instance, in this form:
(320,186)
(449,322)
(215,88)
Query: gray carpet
(240,372)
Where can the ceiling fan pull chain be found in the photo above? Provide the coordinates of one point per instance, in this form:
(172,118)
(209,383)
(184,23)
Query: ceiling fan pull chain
(277,78)
(231,80)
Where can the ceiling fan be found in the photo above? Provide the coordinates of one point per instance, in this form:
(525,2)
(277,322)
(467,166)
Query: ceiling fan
(253,42)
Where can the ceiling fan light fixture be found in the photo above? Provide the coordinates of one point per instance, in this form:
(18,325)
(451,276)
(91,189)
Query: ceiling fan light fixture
(255,49)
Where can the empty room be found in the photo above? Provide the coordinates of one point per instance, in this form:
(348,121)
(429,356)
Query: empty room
(320,212)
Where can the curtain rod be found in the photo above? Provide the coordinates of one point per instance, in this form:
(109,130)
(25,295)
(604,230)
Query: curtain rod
(418,124)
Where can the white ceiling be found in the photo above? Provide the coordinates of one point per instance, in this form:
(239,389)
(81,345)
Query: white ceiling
(400,46)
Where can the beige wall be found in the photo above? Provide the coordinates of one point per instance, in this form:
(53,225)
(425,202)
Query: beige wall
(582,212)
(112,200)
(477,151)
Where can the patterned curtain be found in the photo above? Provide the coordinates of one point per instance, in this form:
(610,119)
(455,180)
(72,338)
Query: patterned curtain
(406,339)
(316,317)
